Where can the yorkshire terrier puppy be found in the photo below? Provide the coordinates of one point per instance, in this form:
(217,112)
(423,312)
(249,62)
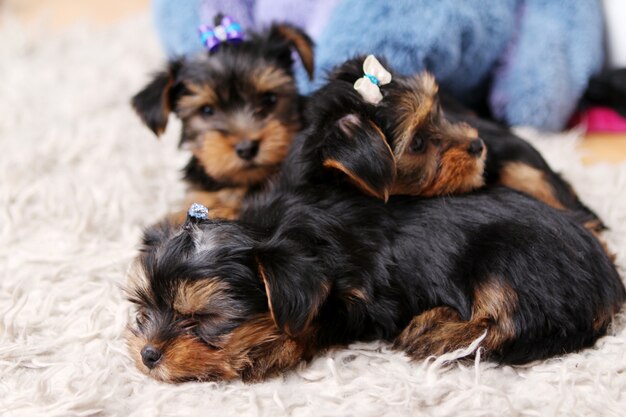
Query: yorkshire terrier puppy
(441,150)
(362,153)
(307,269)
(239,108)
(314,263)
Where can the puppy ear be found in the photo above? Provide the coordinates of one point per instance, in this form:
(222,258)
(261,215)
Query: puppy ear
(358,148)
(294,285)
(296,39)
(153,104)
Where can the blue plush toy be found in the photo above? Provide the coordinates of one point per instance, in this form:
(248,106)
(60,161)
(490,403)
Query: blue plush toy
(530,60)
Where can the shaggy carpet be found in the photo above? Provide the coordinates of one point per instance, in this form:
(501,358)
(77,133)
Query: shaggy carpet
(80,177)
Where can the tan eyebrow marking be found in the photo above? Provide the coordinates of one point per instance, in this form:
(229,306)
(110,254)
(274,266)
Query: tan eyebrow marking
(195,296)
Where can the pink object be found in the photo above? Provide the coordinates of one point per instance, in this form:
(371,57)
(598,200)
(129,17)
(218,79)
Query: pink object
(600,119)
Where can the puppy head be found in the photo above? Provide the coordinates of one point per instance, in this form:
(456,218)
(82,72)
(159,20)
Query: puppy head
(430,156)
(187,285)
(239,105)
(433,156)
(211,304)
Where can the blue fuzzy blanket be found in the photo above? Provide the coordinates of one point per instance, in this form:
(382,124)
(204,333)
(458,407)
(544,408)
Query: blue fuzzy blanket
(530,60)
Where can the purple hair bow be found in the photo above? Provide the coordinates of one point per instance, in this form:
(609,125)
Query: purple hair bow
(225,30)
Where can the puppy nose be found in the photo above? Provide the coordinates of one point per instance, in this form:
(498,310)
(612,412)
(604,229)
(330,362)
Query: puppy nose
(476,147)
(247,149)
(150,356)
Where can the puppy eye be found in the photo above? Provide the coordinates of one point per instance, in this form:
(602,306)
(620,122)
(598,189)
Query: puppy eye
(188,324)
(418,144)
(206,111)
(268,100)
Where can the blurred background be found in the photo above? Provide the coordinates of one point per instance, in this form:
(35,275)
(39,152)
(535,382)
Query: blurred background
(59,14)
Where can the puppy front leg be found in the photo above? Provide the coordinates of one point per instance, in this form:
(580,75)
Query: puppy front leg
(443,338)
(438,331)
(441,329)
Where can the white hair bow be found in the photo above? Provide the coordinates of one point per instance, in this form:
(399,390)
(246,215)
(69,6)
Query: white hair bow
(375,76)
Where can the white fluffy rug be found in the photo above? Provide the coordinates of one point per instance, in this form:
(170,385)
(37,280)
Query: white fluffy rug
(80,177)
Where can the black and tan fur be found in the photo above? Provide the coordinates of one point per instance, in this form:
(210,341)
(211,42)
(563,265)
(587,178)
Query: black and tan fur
(239,108)
(300,273)
(316,263)
(381,153)
(427,131)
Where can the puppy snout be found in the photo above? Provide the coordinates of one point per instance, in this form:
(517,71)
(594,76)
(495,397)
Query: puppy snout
(247,149)
(150,356)
(476,147)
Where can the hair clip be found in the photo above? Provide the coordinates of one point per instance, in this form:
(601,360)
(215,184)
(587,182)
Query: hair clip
(225,30)
(197,212)
(375,76)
